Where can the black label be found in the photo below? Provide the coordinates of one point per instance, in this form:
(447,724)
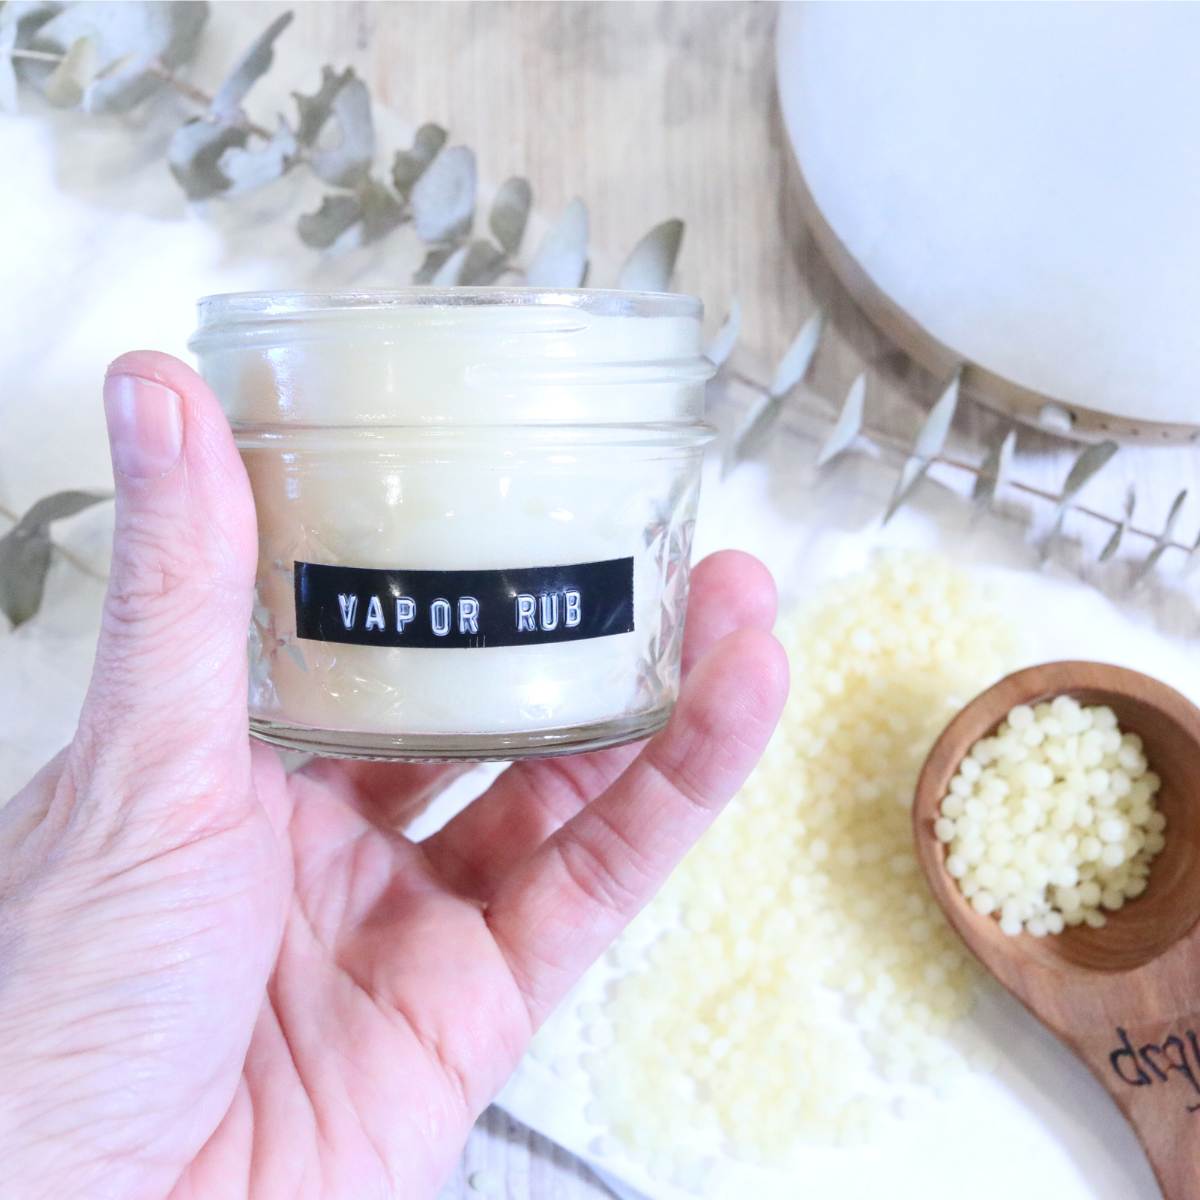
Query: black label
(520,607)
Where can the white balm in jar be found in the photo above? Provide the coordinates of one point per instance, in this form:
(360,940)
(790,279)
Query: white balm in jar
(475,510)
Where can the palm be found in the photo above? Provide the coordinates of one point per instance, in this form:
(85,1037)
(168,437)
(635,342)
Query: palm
(369,1058)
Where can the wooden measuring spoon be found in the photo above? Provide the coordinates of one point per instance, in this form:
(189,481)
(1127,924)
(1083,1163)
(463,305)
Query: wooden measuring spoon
(1125,998)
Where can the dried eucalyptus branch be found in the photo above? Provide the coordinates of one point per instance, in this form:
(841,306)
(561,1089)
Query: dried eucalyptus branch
(26,549)
(994,470)
(763,415)
(105,57)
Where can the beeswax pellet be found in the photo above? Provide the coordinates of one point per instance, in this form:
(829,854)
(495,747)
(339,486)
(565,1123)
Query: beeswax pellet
(1073,808)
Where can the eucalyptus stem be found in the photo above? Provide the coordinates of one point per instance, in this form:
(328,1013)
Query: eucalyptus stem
(45,56)
(959,464)
(189,91)
(200,97)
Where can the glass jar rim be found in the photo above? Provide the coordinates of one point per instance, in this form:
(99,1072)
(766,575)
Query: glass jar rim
(232,308)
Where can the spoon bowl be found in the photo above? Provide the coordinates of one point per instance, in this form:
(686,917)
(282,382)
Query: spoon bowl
(1169,727)
(1125,997)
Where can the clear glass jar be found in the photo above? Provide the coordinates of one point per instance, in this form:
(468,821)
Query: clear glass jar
(475,510)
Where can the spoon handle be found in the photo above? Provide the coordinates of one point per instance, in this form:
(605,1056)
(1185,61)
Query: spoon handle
(1152,1071)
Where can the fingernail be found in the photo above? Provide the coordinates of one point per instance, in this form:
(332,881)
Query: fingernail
(145,426)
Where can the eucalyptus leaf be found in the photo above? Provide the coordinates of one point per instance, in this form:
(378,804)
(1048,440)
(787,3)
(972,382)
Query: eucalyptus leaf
(25,17)
(994,469)
(256,62)
(476,262)
(409,165)
(1090,460)
(247,169)
(1114,540)
(23,565)
(347,163)
(934,432)
(929,443)
(450,271)
(295,654)
(195,153)
(561,258)
(651,263)
(313,111)
(769,408)
(322,228)
(381,211)
(119,89)
(721,347)
(65,85)
(56,507)
(372,208)
(134,44)
(510,213)
(25,552)
(794,364)
(484,264)
(435,257)
(1163,542)
(753,434)
(849,423)
(443,199)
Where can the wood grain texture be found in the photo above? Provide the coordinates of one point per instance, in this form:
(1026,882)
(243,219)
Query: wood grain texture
(1123,997)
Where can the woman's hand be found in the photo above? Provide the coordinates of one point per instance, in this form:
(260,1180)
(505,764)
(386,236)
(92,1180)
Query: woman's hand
(218,980)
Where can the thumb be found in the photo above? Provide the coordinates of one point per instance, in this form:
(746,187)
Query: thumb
(170,670)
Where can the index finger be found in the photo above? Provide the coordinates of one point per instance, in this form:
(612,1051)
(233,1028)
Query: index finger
(477,848)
